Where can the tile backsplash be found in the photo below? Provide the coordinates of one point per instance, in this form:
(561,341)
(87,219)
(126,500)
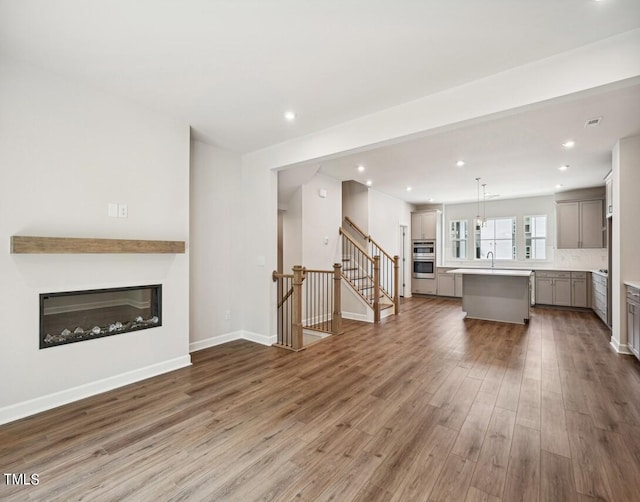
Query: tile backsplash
(581,258)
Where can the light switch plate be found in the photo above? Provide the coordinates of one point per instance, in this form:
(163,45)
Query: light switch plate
(112,210)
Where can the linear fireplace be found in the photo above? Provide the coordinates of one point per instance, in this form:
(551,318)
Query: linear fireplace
(76,316)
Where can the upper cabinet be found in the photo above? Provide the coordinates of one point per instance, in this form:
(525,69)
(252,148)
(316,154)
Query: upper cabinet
(580,224)
(608,183)
(424,225)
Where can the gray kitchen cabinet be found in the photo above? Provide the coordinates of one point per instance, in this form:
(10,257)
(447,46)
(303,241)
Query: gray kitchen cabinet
(599,296)
(446,284)
(544,290)
(424,225)
(562,291)
(458,288)
(562,288)
(580,224)
(633,320)
(579,296)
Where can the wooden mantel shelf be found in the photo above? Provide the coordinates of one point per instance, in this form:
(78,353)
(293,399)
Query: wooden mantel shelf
(71,245)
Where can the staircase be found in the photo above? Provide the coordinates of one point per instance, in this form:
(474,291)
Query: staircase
(370,271)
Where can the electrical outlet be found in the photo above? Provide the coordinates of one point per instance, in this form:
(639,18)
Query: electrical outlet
(123,211)
(227,315)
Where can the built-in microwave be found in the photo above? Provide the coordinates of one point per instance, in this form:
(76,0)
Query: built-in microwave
(424,269)
(424,249)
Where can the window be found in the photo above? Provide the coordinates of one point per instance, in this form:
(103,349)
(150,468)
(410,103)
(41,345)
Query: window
(458,237)
(535,237)
(497,235)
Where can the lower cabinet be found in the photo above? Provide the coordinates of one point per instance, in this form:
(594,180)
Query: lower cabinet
(633,320)
(599,296)
(449,284)
(567,289)
(424,286)
(579,290)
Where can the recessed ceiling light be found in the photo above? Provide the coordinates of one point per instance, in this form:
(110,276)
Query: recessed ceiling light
(460,163)
(408,189)
(569,144)
(564,168)
(369,183)
(360,168)
(559,185)
(289,115)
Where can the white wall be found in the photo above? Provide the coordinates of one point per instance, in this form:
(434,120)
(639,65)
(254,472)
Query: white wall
(519,208)
(65,152)
(321,219)
(292,230)
(626,233)
(386,214)
(355,205)
(216,225)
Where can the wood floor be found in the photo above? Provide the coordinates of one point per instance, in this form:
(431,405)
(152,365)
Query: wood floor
(425,406)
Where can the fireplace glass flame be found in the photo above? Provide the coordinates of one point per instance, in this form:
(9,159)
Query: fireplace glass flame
(76,316)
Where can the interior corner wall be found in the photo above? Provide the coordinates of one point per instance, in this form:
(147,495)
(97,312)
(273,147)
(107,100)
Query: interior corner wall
(216,228)
(626,232)
(292,232)
(386,214)
(355,203)
(67,151)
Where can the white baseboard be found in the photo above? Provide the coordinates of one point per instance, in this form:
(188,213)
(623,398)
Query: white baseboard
(229,337)
(258,338)
(43,403)
(215,340)
(354,316)
(620,348)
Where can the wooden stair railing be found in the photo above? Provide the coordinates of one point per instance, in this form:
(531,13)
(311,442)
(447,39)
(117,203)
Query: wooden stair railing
(307,299)
(374,278)
(389,265)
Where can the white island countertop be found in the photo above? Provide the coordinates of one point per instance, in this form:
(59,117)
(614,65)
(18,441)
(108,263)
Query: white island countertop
(491,271)
(633,284)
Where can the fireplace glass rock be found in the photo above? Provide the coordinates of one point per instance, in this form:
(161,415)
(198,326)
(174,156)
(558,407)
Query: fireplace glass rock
(76,316)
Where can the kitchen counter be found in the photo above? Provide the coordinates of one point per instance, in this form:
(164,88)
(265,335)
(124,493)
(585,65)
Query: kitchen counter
(496,294)
(633,284)
(492,271)
(599,272)
(533,266)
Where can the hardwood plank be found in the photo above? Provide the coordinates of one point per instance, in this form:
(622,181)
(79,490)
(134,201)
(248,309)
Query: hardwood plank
(491,469)
(556,478)
(454,480)
(528,413)
(523,473)
(473,431)
(553,425)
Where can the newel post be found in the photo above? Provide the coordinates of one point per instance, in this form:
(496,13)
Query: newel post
(396,283)
(336,324)
(376,288)
(296,335)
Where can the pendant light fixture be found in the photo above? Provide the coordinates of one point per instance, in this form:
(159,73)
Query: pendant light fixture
(484,205)
(478,218)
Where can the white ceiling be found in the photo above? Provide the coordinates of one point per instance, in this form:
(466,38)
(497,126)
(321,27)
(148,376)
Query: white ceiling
(516,156)
(230,68)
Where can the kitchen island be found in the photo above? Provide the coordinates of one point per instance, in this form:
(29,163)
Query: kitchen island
(496,294)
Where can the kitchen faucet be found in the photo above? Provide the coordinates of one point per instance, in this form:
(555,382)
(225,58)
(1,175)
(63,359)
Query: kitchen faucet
(490,253)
